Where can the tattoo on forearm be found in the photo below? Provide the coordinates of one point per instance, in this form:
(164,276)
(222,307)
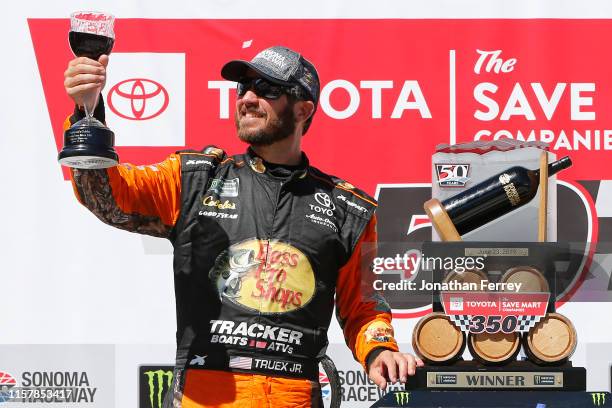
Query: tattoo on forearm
(95,192)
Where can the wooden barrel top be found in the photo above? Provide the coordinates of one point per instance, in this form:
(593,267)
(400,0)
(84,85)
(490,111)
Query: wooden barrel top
(552,339)
(532,279)
(436,338)
(495,347)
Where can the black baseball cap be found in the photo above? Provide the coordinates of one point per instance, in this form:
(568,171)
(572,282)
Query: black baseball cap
(279,65)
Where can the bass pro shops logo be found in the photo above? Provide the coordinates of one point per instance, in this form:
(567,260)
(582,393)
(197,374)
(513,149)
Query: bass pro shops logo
(402,398)
(599,399)
(264,276)
(154,382)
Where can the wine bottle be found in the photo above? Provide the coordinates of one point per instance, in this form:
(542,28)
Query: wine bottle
(496,196)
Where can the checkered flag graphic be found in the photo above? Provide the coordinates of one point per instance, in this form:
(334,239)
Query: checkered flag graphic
(461,321)
(524,323)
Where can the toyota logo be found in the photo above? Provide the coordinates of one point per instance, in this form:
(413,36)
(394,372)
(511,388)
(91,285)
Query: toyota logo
(324,200)
(138,99)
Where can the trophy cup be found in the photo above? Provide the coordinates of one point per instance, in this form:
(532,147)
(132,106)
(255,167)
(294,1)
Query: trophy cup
(88,144)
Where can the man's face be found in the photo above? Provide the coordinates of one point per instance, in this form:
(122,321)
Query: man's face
(261,121)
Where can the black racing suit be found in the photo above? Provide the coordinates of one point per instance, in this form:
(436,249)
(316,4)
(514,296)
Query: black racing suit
(259,254)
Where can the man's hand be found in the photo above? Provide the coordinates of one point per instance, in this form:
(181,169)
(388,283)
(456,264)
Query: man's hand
(84,78)
(389,366)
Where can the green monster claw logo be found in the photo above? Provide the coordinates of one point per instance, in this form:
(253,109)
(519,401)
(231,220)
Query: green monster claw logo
(156,382)
(599,398)
(402,398)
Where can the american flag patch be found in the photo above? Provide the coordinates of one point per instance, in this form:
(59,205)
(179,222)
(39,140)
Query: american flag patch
(244,363)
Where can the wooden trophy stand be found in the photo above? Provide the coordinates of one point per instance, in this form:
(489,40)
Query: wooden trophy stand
(456,374)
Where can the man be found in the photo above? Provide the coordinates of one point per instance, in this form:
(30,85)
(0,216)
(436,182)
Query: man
(262,242)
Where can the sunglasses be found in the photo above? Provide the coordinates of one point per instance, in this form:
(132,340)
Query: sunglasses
(266,89)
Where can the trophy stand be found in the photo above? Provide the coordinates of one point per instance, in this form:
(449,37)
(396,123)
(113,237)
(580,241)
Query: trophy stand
(548,344)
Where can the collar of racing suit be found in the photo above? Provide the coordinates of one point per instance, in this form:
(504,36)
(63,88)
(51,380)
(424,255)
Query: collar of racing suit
(277,171)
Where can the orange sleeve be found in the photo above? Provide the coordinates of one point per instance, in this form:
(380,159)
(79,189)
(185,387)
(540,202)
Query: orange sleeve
(143,199)
(364,315)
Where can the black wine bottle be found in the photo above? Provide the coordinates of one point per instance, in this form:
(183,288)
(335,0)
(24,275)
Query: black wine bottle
(496,196)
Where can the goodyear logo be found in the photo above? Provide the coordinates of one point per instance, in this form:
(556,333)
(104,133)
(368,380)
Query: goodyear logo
(599,398)
(402,398)
(155,382)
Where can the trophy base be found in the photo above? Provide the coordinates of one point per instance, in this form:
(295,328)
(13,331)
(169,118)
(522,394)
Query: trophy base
(88,162)
(515,376)
(88,144)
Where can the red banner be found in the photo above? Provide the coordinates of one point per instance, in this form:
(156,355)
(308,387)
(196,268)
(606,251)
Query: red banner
(391,89)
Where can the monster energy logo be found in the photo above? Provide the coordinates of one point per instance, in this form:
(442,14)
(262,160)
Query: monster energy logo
(402,398)
(156,386)
(599,398)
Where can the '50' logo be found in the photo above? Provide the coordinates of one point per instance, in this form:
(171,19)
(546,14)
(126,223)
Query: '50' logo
(452,175)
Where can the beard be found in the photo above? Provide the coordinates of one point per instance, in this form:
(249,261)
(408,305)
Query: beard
(274,131)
